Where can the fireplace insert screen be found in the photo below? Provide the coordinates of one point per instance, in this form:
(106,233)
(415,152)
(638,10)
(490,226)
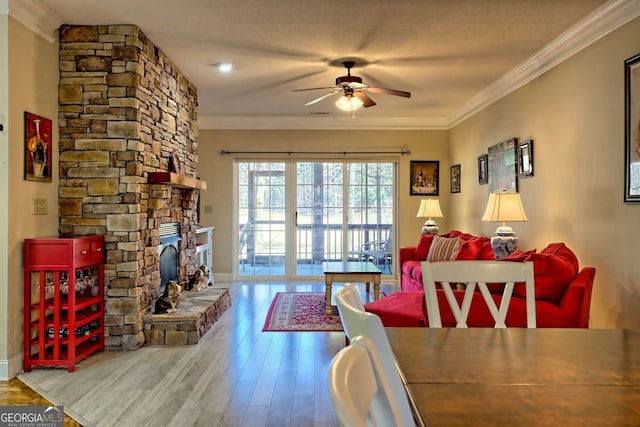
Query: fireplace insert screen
(168,264)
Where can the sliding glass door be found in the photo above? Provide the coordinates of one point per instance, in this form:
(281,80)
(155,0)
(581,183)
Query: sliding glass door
(294,215)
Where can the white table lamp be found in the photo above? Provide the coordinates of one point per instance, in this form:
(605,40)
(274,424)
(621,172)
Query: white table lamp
(503,207)
(429,208)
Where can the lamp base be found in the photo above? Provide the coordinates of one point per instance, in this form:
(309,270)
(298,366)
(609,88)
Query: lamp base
(430,227)
(504,242)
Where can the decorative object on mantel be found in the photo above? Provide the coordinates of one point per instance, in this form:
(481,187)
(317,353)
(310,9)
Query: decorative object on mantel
(503,207)
(502,167)
(525,159)
(429,208)
(174,163)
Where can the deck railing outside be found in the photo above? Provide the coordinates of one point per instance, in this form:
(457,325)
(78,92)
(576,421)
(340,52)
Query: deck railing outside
(261,247)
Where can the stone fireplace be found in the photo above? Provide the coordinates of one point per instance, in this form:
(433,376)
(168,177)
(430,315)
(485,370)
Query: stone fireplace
(125,110)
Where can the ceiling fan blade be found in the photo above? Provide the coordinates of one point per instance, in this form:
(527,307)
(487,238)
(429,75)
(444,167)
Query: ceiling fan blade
(366,101)
(313,88)
(389,91)
(320,98)
(357,85)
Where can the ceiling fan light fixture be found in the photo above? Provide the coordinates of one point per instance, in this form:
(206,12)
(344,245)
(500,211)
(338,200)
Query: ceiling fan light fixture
(349,103)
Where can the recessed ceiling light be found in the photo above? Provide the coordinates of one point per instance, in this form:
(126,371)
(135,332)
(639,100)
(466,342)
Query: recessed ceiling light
(224,67)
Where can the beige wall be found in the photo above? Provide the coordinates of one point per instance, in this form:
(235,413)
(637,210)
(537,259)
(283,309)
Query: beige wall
(217,170)
(4,191)
(575,115)
(33,87)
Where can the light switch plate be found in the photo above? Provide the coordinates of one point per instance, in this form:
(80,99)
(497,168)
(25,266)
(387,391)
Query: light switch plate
(39,206)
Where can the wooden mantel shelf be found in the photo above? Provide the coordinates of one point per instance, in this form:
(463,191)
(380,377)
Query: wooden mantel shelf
(175,180)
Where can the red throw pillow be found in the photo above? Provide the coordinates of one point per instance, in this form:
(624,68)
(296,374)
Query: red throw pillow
(487,251)
(460,234)
(516,256)
(554,268)
(422,250)
(470,250)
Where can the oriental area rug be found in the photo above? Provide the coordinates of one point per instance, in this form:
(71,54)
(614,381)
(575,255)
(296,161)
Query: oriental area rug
(300,312)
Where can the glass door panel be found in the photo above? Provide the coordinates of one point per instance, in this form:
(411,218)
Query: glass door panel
(261,218)
(344,211)
(370,212)
(319,215)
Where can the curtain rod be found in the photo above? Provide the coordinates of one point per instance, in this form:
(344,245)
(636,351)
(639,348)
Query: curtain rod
(403,152)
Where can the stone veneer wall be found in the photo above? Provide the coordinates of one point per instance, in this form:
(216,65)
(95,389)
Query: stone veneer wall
(124,107)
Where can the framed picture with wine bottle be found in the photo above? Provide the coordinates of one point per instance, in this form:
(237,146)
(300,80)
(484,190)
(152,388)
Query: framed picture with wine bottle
(39,147)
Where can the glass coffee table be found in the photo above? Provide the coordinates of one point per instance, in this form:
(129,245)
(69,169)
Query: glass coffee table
(352,271)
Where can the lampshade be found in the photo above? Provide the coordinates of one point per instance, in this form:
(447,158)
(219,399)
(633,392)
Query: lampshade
(503,207)
(429,208)
(349,103)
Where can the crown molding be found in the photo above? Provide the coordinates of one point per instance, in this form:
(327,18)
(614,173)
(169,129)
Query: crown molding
(596,25)
(321,122)
(607,18)
(33,15)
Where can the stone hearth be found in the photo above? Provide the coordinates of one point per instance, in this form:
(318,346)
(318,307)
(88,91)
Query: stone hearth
(196,313)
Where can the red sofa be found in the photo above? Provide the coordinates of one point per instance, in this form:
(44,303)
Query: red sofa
(563,292)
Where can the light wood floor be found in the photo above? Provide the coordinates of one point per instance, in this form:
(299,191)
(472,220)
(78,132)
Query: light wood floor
(236,375)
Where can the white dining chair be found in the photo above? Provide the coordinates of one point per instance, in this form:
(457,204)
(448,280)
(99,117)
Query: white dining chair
(357,322)
(476,273)
(360,389)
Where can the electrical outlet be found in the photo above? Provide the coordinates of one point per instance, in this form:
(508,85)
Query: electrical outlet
(208,209)
(39,206)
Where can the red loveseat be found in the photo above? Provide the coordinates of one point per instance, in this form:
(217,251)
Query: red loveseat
(563,292)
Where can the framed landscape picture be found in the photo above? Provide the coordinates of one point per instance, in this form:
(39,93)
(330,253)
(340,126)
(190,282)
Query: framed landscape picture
(502,167)
(424,177)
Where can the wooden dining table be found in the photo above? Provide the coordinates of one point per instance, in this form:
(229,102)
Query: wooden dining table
(521,377)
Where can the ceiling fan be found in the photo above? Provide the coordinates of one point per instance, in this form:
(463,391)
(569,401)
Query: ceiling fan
(354,92)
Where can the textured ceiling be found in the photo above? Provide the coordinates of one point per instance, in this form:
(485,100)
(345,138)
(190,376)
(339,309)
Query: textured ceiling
(444,52)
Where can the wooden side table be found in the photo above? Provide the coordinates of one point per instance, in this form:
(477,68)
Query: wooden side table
(342,272)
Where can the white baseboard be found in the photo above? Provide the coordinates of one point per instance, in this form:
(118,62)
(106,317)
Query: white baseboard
(10,368)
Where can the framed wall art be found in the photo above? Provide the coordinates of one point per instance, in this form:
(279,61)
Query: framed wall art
(502,167)
(424,177)
(483,169)
(525,159)
(38,162)
(632,129)
(455,178)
